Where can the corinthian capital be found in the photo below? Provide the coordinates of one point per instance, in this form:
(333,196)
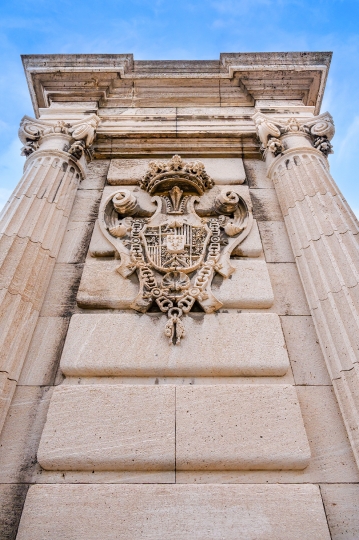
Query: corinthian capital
(320,130)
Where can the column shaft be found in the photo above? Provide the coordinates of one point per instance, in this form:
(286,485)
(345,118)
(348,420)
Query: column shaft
(324,234)
(32,226)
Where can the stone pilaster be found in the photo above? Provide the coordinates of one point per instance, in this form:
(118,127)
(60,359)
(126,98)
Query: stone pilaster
(32,226)
(325,240)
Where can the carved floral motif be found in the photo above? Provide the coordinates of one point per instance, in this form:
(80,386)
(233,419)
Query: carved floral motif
(175,251)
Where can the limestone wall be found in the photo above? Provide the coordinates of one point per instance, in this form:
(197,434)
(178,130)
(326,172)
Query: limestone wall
(134,411)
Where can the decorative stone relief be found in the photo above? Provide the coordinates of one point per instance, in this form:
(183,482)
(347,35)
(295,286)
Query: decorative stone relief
(31,133)
(320,131)
(175,251)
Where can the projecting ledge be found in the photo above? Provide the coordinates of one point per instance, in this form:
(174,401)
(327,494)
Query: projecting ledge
(254,346)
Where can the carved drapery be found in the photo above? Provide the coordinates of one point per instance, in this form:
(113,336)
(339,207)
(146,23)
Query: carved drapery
(324,235)
(32,225)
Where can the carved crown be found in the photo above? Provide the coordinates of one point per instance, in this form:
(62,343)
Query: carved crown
(162,176)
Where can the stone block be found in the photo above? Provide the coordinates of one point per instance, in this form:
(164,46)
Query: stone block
(289,297)
(254,346)
(21,433)
(256,173)
(341,502)
(221,170)
(332,457)
(173,512)
(12,499)
(60,299)
(103,287)
(276,245)
(248,287)
(246,427)
(108,427)
(305,354)
(86,204)
(251,246)
(44,353)
(96,174)
(265,205)
(75,243)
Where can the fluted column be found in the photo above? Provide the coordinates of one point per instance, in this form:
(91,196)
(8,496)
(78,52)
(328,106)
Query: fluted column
(324,234)
(32,226)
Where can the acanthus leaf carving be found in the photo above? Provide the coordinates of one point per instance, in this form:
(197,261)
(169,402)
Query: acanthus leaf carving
(175,251)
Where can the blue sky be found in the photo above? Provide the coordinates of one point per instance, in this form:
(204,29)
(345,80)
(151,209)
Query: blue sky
(201,29)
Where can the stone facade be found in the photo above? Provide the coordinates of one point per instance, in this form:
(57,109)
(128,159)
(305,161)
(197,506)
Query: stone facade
(179,321)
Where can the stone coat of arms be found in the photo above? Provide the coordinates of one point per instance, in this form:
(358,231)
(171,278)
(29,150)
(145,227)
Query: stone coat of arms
(176,250)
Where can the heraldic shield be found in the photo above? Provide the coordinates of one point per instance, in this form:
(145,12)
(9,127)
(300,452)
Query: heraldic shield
(175,250)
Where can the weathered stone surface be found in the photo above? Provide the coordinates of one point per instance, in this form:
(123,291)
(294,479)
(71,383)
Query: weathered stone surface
(104,427)
(265,205)
(17,323)
(103,287)
(332,457)
(231,427)
(251,246)
(86,205)
(254,346)
(248,287)
(42,359)
(276,243)
(75,243)
(221,170)
(60,299)
(25,268)
(96,174)
(21,433)
(7,389)
(306,357)
(256,173)
(114,511)
(289,297)
(341,502)
(12,499)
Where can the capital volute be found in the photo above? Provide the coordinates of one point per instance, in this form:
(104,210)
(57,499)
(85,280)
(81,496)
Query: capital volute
(277,136)
(75,138)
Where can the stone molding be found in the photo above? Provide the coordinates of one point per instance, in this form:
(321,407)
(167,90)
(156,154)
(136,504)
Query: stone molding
(324,236)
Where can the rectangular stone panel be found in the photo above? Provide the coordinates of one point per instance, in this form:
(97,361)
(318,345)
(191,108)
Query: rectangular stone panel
(108,427)
(173,512)
(246,427)
(226,344)
(103,287)
(221,170)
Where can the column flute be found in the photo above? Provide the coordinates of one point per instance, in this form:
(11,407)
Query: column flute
(324,235)
(32,225)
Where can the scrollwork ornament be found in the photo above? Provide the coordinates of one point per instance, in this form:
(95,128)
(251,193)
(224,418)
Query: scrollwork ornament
(175,251)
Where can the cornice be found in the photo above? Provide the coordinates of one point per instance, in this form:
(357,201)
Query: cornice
(237,79)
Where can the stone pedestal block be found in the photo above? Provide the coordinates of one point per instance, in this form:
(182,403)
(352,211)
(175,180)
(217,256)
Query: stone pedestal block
(180,512)
(254,346)
(103,428)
